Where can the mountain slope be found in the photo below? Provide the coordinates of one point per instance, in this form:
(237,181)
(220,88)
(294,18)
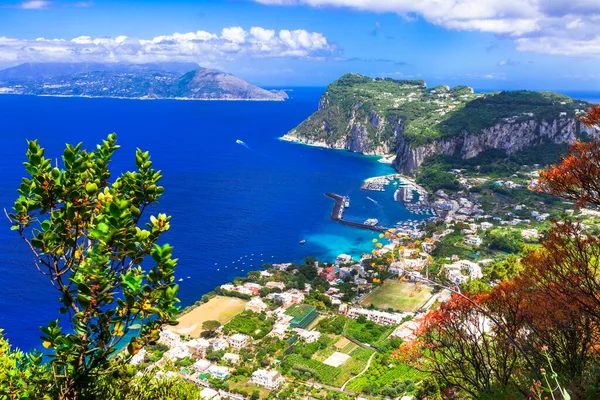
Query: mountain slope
(208,84)
(153,81)
(408,120)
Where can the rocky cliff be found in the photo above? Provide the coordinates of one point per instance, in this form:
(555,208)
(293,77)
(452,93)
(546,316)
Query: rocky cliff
(510,137)
(404,118)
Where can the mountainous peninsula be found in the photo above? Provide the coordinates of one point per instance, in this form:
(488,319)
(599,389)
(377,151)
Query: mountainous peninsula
(144,81)
(410,122)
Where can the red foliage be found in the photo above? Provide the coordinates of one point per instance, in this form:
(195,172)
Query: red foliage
(577,176)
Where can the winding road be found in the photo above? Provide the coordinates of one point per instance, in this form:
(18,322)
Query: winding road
(361,372)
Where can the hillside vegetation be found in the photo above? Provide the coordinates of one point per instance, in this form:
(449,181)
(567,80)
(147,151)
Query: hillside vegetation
(385,106)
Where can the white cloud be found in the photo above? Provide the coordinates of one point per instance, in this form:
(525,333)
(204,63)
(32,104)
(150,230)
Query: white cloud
(34,5)
(234,34)
(201,46)
(566,27)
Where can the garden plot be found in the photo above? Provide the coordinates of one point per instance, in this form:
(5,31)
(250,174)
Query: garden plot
(336,359)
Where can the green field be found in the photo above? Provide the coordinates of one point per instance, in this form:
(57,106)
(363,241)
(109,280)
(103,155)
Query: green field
(399,296)
(379,376)
(303,314)
(298,311)
(306,363)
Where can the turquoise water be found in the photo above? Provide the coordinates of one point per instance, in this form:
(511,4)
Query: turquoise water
(234,206)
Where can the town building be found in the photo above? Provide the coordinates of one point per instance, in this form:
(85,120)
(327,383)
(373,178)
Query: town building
(218,344)
(231,357)
(198,346)
(268,379)
(253,287)
(256,305)
(328,274)
(343,259)
(273,285)
(209,394)
(168,338)
(473,240)
(308,336)
(486,225)
(218,372)
(238,341)
(177,352)
(379,317)
(201,365)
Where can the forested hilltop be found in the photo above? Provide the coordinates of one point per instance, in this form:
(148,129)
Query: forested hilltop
(404,118)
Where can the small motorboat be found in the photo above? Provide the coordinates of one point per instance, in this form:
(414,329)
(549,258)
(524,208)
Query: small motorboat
(302,241)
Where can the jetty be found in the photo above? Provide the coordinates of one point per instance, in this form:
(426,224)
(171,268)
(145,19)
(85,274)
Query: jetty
(338,212)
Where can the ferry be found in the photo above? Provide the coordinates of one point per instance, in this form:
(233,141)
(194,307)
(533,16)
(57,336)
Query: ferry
(371,222)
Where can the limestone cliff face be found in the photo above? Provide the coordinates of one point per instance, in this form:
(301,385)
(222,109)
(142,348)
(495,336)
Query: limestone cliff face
(357,131)
(510,137)
(373,134)
(405,119)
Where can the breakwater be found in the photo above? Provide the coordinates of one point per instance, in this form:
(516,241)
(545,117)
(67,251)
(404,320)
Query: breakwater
(338,212)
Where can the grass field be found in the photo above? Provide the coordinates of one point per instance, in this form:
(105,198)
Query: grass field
(378,375)
(400,296)
(219,308)
(299,311)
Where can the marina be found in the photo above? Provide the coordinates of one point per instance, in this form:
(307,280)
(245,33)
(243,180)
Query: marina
(337,214)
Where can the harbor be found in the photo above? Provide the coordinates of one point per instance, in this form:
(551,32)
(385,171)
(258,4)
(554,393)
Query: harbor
(337,214)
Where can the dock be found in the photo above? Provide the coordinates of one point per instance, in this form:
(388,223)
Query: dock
(338,212)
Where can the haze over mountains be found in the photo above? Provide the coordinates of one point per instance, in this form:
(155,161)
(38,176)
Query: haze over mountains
(169,80)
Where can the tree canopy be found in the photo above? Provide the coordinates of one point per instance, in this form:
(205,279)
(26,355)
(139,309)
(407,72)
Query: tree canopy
(88,236)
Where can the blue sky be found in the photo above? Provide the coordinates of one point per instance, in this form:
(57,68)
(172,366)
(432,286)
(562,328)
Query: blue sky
(487,44)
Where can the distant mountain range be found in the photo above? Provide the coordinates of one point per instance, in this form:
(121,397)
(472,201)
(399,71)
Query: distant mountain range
(144,81)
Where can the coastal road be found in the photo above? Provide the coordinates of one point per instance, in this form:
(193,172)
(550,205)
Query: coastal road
(361,372)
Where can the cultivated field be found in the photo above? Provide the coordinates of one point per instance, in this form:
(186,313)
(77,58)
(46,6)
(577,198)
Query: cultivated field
(400,296)
(219,308)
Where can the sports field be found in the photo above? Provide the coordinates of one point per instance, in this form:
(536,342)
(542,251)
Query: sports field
(219,308)
(400,296)
(303,314)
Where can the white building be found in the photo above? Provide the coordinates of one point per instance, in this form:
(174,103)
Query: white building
(238,341)
(379,317)
(169,338)
(454,271)
(218,372)
(486,225)
(343,259)
(231,357)
(268,379)
(178,352)
(218,344)
(201,365)
(209,394)
(308,336)
(473,240)
(273,285)
(256,305)
(530,233)
(198,346)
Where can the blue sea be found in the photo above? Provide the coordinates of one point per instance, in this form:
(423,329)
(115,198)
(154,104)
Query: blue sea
(250,203)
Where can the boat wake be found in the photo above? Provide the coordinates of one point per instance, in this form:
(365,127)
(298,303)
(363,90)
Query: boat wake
(241,142)
(374,201)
